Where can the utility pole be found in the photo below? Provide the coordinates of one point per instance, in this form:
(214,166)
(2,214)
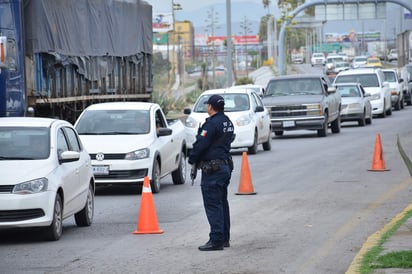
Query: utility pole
(175,7)
(229,43)
(245,26)
(212,20)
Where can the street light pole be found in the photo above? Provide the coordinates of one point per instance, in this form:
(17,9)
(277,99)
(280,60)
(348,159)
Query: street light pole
(229,43)
(175,7)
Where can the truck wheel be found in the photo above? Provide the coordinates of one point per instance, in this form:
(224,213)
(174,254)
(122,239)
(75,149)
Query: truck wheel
(324,131)
(253,149)
(336,125)
(55,230)
(85,216)
(179,175)
(268,144)
(155,182)
(383,114)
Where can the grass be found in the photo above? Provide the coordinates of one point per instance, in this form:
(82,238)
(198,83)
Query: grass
(373,260)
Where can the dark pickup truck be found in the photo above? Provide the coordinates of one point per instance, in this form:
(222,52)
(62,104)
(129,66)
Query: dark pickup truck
(302,102)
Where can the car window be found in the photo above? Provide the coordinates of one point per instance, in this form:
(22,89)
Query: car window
(61,142)
(24,143)
(233,102)
(366,80)
(72,139)
(112,122)
(349,91)
(286,87)
(389,76)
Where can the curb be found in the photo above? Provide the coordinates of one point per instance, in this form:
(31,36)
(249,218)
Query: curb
(373,241)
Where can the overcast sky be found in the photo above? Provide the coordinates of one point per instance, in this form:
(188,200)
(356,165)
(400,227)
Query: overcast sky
(188,5)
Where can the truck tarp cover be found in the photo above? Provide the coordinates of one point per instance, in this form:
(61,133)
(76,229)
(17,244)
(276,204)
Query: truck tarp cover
(88,27)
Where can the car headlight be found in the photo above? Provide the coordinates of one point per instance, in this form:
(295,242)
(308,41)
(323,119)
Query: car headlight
(138,154)
(191,122)
(31,187)
(243,120)
(375,96)
(314,109)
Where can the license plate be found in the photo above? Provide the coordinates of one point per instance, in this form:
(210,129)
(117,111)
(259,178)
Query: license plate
(101,170)
(288,123)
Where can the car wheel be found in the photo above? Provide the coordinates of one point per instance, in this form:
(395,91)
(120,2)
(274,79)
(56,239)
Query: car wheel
(54,231)
(402,104)
(398,105)
(278,132)
(155,182)
(324,131)
(389,111)
(85,216)
(268,144)
(336,125)
(179,175)
(383,114)
(253,149)
(362,121)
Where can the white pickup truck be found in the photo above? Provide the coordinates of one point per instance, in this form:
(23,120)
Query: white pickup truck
(130,140)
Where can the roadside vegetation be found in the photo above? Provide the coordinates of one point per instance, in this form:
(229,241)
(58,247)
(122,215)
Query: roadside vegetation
(374,259)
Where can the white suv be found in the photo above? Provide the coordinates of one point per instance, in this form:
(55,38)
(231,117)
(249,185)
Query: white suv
(244,108)
(373,82)
(318,58)
(395,86)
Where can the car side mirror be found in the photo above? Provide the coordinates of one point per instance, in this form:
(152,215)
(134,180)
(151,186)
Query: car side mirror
(164,131)
(331,89)
(187,111)
(259,109)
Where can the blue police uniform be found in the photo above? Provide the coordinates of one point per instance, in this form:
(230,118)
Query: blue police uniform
(211,152)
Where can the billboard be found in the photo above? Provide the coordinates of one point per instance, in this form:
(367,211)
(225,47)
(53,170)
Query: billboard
(162,22)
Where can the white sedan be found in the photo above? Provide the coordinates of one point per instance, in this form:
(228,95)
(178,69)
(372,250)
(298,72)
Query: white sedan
(244,108)
(46,175)
(355,104)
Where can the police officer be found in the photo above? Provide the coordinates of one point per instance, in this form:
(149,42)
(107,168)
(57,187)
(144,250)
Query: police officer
(211,153)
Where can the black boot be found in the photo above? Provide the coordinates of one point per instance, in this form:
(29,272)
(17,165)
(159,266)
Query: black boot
(210,246)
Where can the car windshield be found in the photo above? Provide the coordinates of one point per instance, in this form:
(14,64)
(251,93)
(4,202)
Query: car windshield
(112,122)
(366,80)
(24,143)
(348,91)
(233,102)
(287,87)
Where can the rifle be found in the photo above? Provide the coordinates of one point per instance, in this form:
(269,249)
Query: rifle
(193,173)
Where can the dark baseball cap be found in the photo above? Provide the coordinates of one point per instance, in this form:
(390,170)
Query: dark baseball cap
(216,101)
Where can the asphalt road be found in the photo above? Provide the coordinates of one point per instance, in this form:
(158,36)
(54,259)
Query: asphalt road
(315,206)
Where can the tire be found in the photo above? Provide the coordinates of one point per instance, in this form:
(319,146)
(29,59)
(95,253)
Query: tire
(402,104)
(267,146)
(369,121)
(398,105)
(155,182)
(362,121)
(389,111)
(253,149)
(335,126)
(278,132)
(85,216)
(179,175)
(55,230)
(324,131)
(383,114)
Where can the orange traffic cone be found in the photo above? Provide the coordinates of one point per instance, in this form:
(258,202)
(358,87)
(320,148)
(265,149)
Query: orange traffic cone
(378,163)
(147,223)
(245,183)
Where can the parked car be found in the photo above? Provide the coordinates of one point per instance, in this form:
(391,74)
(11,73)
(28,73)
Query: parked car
(355,103)
(128,141)
(392,55)
(373,82)
(298,102)
(46,175)
(318,58)
(395,86)
(244,108)
(373,62)
(359,61)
